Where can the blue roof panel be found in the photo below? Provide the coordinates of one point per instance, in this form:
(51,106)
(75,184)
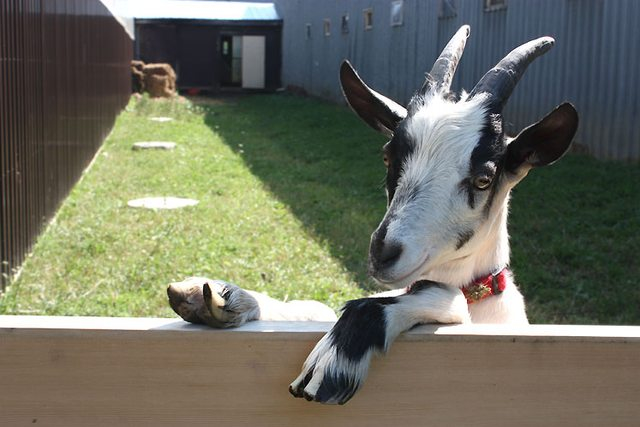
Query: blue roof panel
(210,10)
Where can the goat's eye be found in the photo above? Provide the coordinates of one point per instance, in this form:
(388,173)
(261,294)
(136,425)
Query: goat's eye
(385,160)
(482,182)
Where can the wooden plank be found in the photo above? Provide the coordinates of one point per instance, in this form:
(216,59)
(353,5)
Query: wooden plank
(112,371)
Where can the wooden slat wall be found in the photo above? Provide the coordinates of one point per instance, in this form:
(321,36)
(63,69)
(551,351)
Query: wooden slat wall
(64,76)
(88,371)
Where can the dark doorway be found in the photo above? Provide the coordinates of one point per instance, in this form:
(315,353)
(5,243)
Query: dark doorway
(231,50)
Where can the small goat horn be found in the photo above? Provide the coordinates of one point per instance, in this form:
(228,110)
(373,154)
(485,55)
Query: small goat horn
(500,81)
(441,75)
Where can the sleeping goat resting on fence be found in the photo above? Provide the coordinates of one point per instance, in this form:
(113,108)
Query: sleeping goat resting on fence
(442,244)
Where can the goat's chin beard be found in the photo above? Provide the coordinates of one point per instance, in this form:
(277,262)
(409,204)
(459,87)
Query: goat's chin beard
(408,278)
(425,270)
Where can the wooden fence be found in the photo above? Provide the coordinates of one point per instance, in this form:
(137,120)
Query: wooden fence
(114,371)
(64,76)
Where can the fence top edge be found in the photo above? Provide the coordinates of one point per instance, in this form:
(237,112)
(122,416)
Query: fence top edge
(425,332)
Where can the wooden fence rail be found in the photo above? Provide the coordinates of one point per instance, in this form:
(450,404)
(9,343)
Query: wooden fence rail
(116,371)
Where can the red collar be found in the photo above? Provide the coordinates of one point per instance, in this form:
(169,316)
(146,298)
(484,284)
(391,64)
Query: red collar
(483,287)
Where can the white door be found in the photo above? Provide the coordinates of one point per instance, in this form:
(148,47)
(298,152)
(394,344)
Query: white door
(253,62)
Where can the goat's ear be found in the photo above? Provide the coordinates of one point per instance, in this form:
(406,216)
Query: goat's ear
(375,109)
(543,142)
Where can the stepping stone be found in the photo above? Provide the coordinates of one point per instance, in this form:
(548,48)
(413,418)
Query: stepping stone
(154,145)
(162,203)
(161,119)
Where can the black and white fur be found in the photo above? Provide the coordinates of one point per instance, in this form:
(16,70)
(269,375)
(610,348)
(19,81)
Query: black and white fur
(450,169)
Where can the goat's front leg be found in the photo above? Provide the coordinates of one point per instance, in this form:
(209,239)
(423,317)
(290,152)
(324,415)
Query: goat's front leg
(338,365)
(221,304)
(216,303)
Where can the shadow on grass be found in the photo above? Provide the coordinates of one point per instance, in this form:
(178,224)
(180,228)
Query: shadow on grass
(575,241)
(318,159)
(573,225)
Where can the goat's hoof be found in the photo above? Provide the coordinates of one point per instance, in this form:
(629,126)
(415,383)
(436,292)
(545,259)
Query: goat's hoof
(185,298)
(329,377)
(213,302)
(326,387)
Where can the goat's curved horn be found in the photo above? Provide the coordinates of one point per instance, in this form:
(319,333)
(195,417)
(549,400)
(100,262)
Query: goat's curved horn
(500,81)
(441,75)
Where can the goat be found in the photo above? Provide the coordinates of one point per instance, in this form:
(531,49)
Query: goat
(442,245)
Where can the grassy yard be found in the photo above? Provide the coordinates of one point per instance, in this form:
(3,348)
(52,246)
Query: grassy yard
(290,190)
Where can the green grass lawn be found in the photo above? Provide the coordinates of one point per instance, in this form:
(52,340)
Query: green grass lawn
(290,190)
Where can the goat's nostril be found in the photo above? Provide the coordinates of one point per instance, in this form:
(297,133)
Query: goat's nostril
(384,254)
(383,251)
(390,253)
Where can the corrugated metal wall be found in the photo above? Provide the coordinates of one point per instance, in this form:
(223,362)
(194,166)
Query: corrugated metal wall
(64,75)
(594,65)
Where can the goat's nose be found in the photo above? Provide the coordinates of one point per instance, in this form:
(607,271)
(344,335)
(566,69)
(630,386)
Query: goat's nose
(384,254)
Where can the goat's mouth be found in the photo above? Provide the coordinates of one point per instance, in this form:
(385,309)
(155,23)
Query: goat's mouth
(385,278)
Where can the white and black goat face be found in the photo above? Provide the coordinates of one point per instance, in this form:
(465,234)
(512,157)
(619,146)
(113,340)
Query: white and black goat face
(450,166)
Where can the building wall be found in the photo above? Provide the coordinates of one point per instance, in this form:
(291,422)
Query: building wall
(64,76)
(594,63)
(192,47)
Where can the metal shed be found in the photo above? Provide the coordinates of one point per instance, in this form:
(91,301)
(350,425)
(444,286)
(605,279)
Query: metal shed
(393,42)
(212,45)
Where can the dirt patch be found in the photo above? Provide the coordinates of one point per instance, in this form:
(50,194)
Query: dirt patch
(217,100)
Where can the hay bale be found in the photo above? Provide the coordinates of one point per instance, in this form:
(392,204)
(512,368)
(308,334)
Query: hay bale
(159,80)
(137,76)
(157,86)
